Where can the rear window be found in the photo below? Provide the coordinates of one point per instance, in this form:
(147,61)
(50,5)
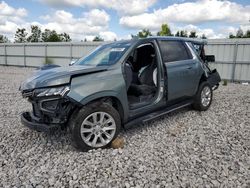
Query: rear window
(173,51)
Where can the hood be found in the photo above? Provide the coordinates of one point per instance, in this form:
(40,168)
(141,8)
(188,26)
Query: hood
(57,76)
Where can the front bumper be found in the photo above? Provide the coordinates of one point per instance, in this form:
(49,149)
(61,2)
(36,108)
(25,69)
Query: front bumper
(48,113)
(30,121)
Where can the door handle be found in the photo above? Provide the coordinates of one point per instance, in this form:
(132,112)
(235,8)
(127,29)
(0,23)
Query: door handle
(189,67)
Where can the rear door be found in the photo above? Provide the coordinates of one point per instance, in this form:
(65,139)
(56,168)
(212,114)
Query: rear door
(181,68)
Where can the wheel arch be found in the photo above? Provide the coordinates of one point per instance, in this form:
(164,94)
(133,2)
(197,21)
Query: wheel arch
(203,78)
(109,98)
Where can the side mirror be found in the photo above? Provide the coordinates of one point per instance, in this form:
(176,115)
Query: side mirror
(72,62)
(210,58)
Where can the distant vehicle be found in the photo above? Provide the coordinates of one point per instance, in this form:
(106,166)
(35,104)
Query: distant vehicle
(120,84)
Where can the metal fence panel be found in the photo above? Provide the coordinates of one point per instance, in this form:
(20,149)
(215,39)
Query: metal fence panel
(242,72)
(232,55)
(232,58)
(15,50)
(35,50)
(35,61)
(19,61)
(58,51)
(2,60)
(2,50)
(243,53)
(80,51)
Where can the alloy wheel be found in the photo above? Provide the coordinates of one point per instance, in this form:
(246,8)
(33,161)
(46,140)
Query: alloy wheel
(98,129)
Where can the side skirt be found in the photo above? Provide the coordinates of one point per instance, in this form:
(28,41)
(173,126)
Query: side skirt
(157,114)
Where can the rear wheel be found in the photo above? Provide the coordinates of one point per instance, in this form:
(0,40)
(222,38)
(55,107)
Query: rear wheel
(95,126)
(203,98)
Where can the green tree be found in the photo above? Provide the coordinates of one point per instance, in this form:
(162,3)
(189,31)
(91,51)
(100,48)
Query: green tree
(98,39)
(65,37)
(4,39)
(231,36)
(21,35)
(51,36)
(193,34)
(45,35)
(177,34)
(54,37)
(165,30)
(142,34)
(239,33)
(35,34)
(247,34)
(183,33)
(203,36)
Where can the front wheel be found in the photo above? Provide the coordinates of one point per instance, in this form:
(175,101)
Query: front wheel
(203,98)
(95,126)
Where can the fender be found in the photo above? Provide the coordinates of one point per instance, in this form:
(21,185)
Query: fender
(105,84)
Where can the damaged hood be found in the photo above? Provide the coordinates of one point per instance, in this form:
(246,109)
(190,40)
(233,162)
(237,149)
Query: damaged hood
(57,76)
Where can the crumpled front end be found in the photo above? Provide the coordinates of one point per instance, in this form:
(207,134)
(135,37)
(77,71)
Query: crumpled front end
(51,108)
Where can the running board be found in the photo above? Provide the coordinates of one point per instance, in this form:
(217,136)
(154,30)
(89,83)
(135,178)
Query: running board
(157,114)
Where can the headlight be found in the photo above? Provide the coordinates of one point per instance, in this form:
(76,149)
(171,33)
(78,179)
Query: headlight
(56,91)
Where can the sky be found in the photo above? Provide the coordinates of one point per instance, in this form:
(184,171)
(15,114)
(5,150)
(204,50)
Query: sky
(118,19)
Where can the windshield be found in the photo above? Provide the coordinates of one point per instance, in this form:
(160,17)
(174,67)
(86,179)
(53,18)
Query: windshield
(105,55)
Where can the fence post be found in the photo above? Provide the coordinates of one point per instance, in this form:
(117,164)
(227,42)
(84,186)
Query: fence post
(234,60)
(71,51)
(5,55)
(45,55)
(24,55)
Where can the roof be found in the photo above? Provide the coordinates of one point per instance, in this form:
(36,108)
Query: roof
(185,39)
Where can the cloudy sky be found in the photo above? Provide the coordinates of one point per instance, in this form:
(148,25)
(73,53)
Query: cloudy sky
(119,18)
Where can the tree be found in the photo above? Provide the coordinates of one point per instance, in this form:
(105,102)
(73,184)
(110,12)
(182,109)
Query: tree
(45,35)
(177,34)
(193,34)
(142,34)
(203,36)
(54,37)
(183,33)
(4,39)
(65,37)
(35,34)
(21,35)
(239,33)
(231,36)
(165,30)
(98,39)
(247,34)
(51,36)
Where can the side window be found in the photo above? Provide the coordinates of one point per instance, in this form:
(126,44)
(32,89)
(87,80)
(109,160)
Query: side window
(173,51)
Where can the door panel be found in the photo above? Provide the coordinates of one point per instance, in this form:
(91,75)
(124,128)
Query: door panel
(181,78)
(181,67)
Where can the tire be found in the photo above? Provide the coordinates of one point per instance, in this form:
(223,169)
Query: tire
(202,101)
(95,134)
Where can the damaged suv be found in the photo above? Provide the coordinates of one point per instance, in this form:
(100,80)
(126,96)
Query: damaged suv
(120,84)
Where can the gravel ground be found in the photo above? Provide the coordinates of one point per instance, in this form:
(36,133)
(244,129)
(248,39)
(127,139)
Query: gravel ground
(182,149)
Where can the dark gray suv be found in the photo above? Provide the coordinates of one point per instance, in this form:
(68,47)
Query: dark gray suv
(120,84)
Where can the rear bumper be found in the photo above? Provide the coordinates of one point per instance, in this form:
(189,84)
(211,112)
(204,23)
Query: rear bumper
(214,79)
(28,120)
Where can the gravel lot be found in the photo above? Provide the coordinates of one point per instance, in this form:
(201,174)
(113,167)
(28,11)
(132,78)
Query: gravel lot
(183,149)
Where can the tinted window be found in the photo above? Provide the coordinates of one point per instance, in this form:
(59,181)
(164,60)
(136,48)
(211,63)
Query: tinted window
(173,51)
